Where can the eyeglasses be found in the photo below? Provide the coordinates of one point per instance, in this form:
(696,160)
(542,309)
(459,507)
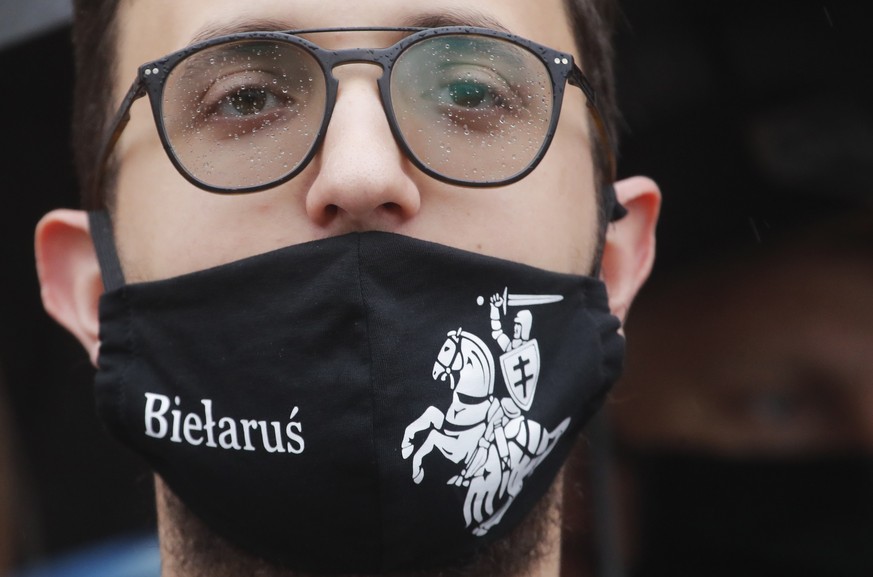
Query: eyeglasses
(468,106)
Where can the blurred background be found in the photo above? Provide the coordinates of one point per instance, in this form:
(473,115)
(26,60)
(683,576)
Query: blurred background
(741,437)
(65,486)
(742,431)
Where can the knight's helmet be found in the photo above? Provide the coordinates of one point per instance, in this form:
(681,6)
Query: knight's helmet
(524,319)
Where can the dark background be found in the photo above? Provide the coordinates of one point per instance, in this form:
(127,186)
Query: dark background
(755,118)
(77,484)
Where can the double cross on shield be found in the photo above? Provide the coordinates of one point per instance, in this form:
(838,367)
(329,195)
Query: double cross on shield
(521,370)
(521,365)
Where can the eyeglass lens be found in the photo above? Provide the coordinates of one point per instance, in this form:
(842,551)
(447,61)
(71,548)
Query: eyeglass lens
(472,108)
(247,113)
(243,114)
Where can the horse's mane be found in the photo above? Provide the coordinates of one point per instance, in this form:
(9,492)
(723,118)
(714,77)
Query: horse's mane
(482,352)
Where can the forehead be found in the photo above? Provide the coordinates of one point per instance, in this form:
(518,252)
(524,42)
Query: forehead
(149,30)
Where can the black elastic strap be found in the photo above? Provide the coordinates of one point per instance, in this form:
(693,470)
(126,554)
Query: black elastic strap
(104,244)
(617,211)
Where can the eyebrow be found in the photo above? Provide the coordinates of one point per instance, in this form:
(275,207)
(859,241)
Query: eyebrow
(454,17)
(238,26)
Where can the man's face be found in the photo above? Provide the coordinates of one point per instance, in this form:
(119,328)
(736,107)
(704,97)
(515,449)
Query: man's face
(359,180)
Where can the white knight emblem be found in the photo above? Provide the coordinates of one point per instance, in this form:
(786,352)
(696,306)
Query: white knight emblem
(492,439)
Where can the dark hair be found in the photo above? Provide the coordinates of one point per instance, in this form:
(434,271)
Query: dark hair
(94,39)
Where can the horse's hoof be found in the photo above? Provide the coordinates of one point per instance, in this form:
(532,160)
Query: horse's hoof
(418,476)
(406,450)
(479,531)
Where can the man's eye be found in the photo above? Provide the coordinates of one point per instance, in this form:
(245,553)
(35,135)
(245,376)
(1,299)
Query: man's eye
(468,94)
(247,95)
(471,87)
(248,101)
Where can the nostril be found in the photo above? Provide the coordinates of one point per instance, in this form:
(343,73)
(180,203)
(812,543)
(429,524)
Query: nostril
(392,208)
(323,215)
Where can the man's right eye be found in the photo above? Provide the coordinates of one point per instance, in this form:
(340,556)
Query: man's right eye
(247,101)
(244,95)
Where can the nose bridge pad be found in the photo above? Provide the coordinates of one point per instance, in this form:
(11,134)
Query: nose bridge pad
(374,65)
(353,66)
(355,74)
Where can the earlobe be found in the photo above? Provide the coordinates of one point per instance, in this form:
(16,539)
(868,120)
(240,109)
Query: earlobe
(69,275)
(629,252)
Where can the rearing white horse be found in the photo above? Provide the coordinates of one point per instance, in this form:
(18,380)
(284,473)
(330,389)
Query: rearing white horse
(466,363)
(499,446)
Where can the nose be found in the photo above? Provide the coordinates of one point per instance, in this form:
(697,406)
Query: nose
(363,180)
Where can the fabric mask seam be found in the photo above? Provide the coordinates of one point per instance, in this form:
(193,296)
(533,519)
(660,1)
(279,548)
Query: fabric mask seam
(601,350)
(372,407)
(603,332)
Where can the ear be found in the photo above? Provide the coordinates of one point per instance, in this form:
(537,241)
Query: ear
(69,275)
(629,252)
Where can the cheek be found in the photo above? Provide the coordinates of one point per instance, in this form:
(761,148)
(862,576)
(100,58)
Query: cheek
(167,226)
(566,205)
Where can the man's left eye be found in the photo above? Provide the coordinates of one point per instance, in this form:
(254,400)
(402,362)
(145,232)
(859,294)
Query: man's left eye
(468,94)
(250,101)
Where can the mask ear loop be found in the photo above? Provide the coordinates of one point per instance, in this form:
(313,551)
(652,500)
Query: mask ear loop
(616,210)
(104,244)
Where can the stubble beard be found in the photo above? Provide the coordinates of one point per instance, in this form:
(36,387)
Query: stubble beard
(190,549)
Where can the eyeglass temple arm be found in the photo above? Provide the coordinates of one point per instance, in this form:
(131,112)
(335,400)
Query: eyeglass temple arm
(137,90)
(577,78)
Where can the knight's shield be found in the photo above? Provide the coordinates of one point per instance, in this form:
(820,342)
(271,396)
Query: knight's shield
(521,370)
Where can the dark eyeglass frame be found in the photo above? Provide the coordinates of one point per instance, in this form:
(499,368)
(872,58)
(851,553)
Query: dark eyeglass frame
(152,76)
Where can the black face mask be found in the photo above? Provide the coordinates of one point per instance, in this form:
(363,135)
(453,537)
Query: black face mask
(364,403)
(701,515)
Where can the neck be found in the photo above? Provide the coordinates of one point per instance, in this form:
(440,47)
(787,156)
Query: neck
(190,549)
